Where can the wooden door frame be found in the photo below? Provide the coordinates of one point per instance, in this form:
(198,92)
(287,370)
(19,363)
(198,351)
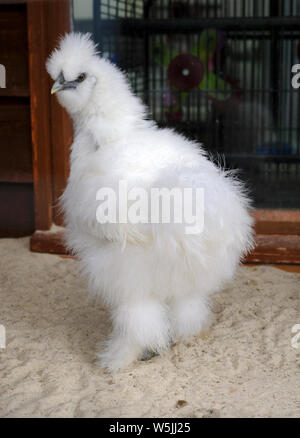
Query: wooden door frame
(47,20)
(277,231)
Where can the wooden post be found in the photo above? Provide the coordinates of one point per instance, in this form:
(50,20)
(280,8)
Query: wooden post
(47,20)
(40,114)
(61,129)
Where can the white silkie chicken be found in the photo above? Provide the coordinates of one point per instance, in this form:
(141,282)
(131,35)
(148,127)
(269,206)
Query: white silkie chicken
(155,279)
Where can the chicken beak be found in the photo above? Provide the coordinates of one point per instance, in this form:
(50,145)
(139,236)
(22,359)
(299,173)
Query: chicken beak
(56,87)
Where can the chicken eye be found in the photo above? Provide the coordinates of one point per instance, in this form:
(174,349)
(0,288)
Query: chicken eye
(81,77)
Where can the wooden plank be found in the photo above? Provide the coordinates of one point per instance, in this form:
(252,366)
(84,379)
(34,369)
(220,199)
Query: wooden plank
(15,134)
(59,22)
(284,249)
(48,242)
(40,113)
(277,221)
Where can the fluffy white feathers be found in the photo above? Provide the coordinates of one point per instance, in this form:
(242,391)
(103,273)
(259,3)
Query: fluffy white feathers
(156,280)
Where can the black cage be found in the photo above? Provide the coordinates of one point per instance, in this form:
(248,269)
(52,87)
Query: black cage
(219,71)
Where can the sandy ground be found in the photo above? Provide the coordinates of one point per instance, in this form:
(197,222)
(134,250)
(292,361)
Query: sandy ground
(244,366)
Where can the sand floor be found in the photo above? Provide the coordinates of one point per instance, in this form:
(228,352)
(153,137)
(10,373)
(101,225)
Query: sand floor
(244,366)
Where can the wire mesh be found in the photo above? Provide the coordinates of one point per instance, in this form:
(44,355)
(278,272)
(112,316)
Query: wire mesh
(220,72)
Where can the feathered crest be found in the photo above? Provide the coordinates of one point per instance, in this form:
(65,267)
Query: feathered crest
(75,50)
(79,41)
